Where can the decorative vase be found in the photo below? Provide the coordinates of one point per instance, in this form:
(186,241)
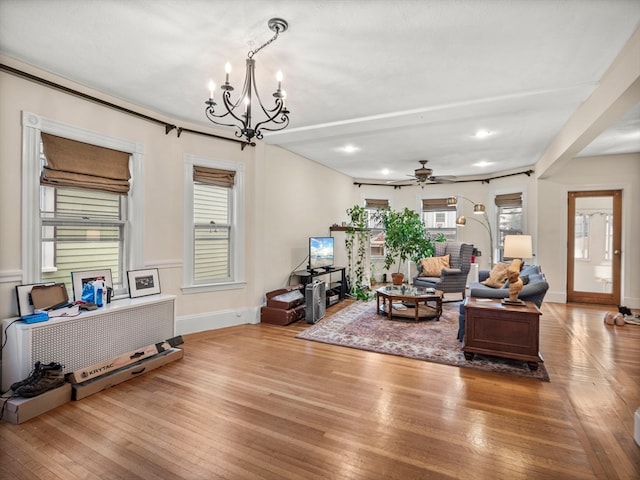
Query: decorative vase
(397,278)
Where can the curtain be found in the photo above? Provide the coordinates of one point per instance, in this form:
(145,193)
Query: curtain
(81,165)
(376,203)
(214,176)
(509,200)
(436,205)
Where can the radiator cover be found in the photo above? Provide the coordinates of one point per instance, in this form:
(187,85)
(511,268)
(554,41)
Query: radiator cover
(89,338)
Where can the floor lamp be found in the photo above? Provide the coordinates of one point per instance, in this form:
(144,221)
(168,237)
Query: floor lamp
(478,209)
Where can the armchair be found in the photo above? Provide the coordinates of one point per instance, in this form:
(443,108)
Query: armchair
(454,278)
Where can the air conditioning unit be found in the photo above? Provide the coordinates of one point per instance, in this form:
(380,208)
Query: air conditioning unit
(315,300)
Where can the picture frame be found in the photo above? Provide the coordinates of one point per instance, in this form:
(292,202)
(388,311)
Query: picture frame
(23,294)
(79,279)
(143,282)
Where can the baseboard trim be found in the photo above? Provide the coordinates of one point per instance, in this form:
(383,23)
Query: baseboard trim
(214,320)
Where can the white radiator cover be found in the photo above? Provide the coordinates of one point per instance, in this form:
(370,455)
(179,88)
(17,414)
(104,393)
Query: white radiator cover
(87,339)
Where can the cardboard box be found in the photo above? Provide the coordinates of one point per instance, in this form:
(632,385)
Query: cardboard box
(20,409)
(95,385)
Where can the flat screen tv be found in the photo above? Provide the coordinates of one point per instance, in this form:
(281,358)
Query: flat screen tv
(320,252)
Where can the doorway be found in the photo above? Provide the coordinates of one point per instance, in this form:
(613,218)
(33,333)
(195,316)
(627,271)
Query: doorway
(594,230)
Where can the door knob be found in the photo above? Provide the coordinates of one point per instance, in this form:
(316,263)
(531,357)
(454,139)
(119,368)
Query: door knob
(616,252)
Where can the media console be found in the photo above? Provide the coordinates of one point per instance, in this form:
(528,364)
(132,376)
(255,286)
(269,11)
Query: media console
(335,289)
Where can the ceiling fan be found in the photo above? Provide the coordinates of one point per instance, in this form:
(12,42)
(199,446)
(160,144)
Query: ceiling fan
(424,175)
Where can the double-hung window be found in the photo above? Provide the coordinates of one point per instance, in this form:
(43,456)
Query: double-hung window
(510,217)
(439,218)
(213,224)
(79,203)
(376,232)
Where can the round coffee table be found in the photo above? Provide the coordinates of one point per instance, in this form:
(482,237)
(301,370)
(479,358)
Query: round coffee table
(409,302)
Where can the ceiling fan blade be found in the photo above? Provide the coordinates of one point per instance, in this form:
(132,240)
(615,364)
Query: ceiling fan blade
(443,179)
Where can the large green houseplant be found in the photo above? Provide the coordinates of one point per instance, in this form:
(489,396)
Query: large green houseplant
(405,239)
(357,245)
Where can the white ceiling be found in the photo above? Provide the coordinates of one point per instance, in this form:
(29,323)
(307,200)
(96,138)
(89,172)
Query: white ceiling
(400,80)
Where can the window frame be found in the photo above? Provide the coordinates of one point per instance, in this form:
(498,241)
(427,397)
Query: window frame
(236,243)
(32,126)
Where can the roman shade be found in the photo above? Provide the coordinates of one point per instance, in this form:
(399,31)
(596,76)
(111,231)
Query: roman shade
(376,203)
(76,164)
(214,176)
(436,205)
(509,200)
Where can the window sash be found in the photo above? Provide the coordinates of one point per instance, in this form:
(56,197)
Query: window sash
(33,126)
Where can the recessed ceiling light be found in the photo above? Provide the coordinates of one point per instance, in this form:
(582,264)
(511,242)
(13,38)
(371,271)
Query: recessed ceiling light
(385,171)
(482,164)
(482,133)
(349,149)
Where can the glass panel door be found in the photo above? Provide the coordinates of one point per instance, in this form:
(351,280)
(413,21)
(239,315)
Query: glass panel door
(594,232)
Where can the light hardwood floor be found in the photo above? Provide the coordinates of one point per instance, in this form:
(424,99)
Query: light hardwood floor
(253,402)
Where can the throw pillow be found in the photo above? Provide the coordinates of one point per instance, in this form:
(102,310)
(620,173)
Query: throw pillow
(432,266)
(498,275)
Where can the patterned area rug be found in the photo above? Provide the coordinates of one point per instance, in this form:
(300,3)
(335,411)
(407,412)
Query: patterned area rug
(359,326)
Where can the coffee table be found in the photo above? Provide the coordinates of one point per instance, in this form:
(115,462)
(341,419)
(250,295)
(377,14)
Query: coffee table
(419,297)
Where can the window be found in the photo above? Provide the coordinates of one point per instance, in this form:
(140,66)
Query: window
(376,232)
(439,218)
(82,230)
(581,241)
(510,218)
(68,229)
(213,229)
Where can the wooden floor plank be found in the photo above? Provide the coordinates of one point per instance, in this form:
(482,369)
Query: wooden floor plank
(254,402)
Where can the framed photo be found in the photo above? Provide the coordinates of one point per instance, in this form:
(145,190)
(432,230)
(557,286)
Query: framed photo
(80,279)
(143,282)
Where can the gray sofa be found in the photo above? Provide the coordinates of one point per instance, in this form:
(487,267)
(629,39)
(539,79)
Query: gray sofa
(534,289)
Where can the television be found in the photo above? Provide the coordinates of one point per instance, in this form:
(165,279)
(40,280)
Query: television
(320,252)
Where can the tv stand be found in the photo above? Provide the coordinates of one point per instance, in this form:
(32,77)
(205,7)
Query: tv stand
(338,287)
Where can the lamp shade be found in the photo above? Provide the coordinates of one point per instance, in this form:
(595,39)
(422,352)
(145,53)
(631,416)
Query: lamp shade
(518,246)
(478,209)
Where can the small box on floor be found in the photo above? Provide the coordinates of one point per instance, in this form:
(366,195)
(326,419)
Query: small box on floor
(95,385)
(20,409)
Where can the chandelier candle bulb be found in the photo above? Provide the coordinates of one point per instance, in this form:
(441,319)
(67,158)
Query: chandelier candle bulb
(227,70)
(212,87)
(279,78)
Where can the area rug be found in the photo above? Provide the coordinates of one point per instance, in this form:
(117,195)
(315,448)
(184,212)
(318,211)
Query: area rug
(359,326)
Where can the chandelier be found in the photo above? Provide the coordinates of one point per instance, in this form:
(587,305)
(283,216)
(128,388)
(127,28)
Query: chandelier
(229,115)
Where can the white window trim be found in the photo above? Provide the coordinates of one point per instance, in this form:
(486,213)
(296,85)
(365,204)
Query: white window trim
(32,126)
(237,222)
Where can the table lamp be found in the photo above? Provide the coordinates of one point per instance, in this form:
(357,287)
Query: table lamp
(516,247)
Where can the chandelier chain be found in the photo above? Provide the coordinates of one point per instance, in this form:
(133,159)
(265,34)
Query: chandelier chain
(253,52)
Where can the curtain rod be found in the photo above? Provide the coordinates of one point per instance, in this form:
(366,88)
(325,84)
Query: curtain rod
(168,127)
(483,180)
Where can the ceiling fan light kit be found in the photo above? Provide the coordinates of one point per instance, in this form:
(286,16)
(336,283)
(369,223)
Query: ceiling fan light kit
(276,118)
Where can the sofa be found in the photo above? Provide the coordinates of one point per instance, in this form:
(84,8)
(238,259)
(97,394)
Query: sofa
(534,289)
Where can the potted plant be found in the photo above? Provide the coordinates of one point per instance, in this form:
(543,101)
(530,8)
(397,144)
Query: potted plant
(357,242)
(405,239)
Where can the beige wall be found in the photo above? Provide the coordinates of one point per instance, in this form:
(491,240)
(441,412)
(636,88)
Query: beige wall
(590,173)
(288,199)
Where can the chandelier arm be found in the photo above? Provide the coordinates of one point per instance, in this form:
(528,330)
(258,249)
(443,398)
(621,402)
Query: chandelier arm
(283,122)
(209,111)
